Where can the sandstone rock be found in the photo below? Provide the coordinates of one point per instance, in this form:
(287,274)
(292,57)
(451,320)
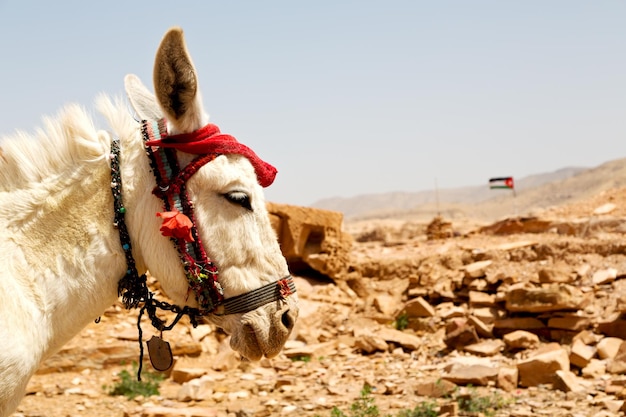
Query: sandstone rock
(604,209)
(541,367)
(581,354)
(555,275)
(387,304)
(487,315)
(418,307)
(485,348)
(460,333)
(552,297)
(594,369)
(196,390)
(573,323)
(507,378)
(181,375)
(613,327)
(479,375)
(476,269)
(504,326)
(435,388)
(482,329)
(370,343)
(587,337)
(568,382)
(450,312)
(521,339)
(608,347)
(481,299)
(406,340)
(604,276)
(312,237)
(617,365)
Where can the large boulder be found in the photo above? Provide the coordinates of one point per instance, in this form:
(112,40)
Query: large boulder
(312,238)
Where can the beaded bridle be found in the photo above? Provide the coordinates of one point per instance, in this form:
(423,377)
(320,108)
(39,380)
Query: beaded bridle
(201,273)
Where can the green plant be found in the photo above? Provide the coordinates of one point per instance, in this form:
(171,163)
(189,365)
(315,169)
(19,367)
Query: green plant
(364,406)
(129,387)
(474,403)
(424,409)
(402,321)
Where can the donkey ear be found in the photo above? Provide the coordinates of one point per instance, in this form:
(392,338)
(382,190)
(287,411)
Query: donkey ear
(176,85)
(143,101)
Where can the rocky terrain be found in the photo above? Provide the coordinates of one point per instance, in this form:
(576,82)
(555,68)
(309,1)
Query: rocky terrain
(526,312)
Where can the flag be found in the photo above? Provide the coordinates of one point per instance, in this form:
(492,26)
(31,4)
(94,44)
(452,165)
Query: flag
(501,182)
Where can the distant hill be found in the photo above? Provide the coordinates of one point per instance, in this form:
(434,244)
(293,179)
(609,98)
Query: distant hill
(566,185)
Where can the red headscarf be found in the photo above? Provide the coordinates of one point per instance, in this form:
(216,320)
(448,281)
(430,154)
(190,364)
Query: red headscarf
(209,140)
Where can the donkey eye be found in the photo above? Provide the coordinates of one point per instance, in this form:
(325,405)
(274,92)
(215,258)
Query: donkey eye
(240,198)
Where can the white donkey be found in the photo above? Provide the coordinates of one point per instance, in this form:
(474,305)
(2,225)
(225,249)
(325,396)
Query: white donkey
(85,213)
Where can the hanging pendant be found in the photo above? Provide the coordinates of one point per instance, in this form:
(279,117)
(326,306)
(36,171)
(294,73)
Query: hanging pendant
(160,354)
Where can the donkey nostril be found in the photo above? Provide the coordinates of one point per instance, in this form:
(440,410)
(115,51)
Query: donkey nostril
(287,320)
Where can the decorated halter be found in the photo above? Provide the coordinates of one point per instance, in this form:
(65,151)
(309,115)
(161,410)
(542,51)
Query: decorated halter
(180,226)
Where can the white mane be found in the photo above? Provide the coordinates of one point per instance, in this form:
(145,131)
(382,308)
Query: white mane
(66,143)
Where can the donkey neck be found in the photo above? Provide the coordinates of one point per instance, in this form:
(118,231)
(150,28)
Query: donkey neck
(71,251)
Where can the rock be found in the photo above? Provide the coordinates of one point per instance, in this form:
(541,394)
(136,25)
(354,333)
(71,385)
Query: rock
(479,375)
(618,364)
(507,378)
(181,375)
(568,382)
(604,276)
(608,347)
(615,327)
(370,343)
(552,297)
(313,237)
(482,329)
(504,326)
(435,388)
(476,269)
(200,332)
(418,307)
(387,304)
(406,340)
(581,354)
(541,367)
(555,275)
(487,315)
(481,299)
(460,333)
(521,339)
(195,390)
(594,369)
(604,209)
(573,323)
(486,347)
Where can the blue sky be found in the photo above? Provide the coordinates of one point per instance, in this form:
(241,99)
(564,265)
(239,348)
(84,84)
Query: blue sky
(351,97)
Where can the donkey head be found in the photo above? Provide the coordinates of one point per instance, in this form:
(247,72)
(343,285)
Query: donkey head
(229,208)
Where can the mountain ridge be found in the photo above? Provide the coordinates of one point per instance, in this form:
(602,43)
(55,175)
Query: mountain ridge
(533,192)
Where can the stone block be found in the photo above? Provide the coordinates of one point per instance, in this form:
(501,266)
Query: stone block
(521,339)
(541,367)
(418,307)
(311,237)
(552,297)
(507,378)
(581,354)
(608,347)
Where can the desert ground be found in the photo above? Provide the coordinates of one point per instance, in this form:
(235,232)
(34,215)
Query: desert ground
(524,312)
